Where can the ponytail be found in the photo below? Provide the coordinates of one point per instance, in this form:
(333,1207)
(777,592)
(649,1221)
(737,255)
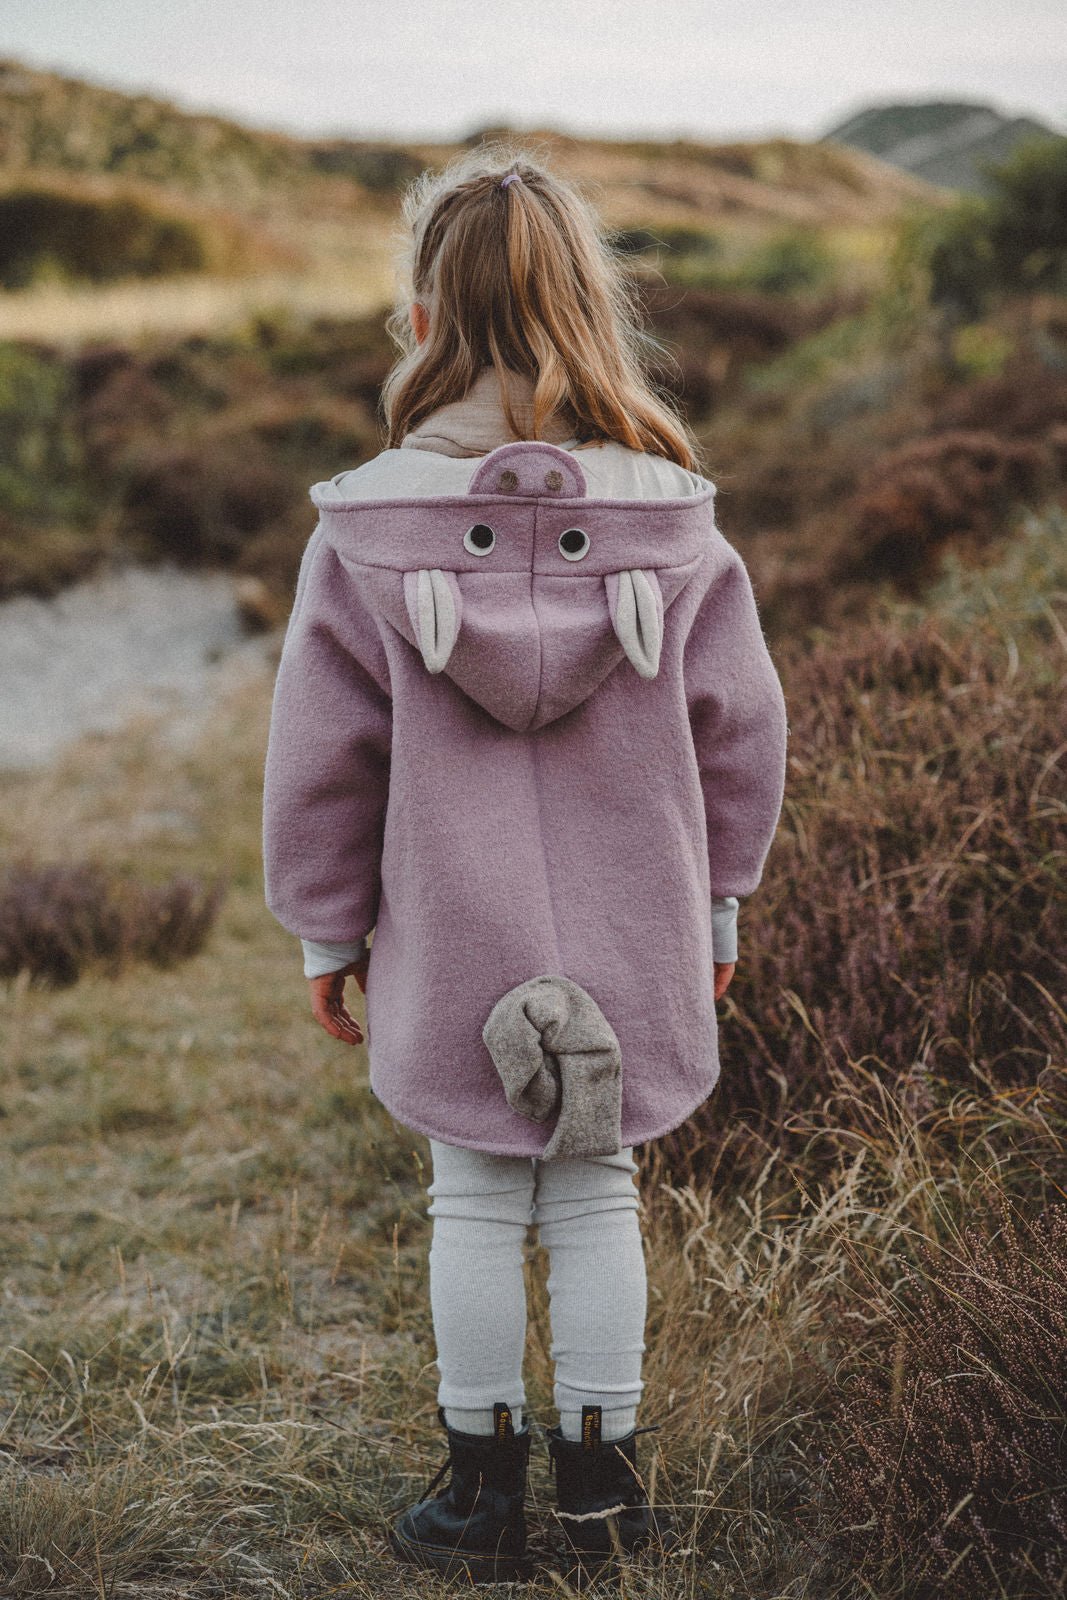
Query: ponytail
(518,275)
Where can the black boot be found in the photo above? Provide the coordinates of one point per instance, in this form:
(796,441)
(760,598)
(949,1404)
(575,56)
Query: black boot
(476,1526)
(602,1507)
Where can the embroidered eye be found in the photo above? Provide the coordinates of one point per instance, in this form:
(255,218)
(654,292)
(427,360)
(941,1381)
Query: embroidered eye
(480,539)
(574,544)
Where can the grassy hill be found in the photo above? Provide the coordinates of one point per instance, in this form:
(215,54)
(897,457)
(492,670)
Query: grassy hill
(49,122)
(321,209)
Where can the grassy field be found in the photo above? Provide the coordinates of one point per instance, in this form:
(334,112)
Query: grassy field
(216,1363)
(65,315)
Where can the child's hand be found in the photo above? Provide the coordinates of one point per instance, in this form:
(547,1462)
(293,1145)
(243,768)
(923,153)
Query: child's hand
(328,1000)
(724,971)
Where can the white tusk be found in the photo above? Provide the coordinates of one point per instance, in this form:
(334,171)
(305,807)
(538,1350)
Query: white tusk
(637,619)
(436,617)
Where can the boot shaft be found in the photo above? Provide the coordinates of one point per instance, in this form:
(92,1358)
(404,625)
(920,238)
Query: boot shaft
(488,1470)
(602,1507)
(594,1474)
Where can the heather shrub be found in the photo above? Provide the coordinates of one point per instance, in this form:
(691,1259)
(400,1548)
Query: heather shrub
(198,504)
(1024,400)
(58,919)
(706,339)
(789,262)
(931,490)
(847,465)
(120,401)
(949,1457)
(751,325)
(688,379)
(679,241)
(197,449)
(912,916)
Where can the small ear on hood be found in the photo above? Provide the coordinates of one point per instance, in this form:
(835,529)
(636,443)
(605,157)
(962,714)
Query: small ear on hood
(435,607)
(635,601)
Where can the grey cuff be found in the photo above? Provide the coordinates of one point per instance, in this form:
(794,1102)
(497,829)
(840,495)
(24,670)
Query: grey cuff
(320,958)
(724,927)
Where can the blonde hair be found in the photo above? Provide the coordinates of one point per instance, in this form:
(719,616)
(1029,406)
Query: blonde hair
(521,277)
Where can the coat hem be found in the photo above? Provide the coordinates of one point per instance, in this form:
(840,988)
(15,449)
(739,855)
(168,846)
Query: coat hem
(495,1147)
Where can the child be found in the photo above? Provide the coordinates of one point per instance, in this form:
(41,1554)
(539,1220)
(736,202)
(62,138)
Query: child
(527,730)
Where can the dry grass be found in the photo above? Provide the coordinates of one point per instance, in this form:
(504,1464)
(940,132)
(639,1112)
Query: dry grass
(197,304)
(216,1369)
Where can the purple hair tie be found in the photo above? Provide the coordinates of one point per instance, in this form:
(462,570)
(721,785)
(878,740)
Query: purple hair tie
(510,178)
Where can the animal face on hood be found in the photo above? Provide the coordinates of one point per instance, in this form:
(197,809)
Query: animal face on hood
(525,591)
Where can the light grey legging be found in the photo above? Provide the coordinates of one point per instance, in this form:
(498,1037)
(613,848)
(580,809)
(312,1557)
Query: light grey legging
(587,1213)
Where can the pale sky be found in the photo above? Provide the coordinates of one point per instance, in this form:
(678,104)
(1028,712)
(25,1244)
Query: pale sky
(440,68)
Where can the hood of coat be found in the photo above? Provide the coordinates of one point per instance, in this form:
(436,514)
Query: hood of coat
(525,590)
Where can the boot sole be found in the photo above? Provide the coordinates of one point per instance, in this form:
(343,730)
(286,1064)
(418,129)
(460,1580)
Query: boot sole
(480,1568)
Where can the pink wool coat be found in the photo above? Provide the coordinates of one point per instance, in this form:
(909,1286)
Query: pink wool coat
(525,733)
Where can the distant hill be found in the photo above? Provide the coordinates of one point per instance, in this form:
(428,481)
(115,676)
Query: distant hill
(944,142)
(51,125)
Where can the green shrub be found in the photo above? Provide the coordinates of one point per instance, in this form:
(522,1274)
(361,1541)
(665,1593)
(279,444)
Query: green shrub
(964,271)
(1014,241)
(40,451)
(1028,226)
(201,503)
(678,240)
(45,232)
(789,262)
(384,169)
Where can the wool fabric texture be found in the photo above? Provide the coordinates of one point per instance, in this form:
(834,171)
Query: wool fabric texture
(558,1057)
(472,426)
(518,732)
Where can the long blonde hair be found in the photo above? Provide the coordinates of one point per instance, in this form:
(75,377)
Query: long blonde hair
(521,277)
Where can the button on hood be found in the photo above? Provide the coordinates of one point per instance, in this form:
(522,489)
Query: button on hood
(526,591)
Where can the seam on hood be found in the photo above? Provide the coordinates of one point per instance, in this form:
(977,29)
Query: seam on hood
(611,470)
(623,504)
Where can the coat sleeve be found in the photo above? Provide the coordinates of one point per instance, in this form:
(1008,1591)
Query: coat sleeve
(321,958)
(737,714)
(724,927)
(326,776)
